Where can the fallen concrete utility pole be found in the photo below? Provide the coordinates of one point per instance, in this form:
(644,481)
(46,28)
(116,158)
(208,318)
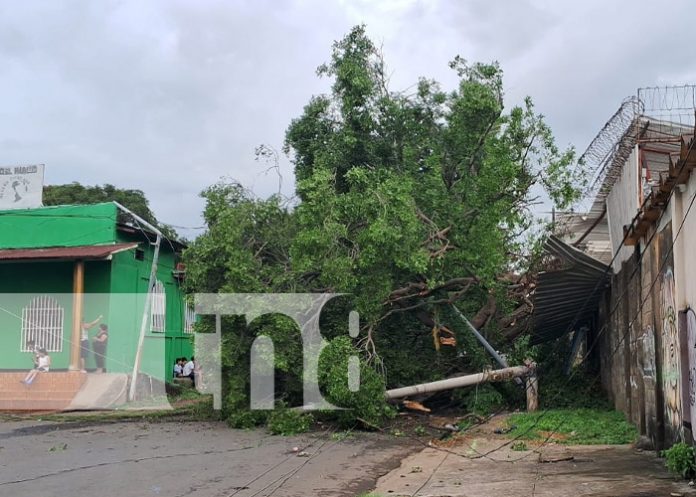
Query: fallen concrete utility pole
(528,371)
(499,359)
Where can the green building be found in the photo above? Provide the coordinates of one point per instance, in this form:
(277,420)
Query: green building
(65,265)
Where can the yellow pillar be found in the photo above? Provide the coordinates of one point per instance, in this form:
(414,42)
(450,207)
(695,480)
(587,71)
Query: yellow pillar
(78,291)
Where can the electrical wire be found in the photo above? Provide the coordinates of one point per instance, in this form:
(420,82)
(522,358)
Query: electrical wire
(604,327)
(613,353)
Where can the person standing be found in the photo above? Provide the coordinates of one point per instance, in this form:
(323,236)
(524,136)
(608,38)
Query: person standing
(84,342)
(99,346)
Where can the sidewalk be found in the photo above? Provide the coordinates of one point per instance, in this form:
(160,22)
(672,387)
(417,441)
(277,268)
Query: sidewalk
(550,471)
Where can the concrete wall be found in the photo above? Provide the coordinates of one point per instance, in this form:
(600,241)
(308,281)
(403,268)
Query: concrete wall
(684,239)
(648,347)
(639,349)
(622,205)
(129,280)
(20,282)
(115,289)
(59,226)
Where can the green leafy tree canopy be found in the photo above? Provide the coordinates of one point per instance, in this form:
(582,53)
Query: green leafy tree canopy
(409,201)
(78,194)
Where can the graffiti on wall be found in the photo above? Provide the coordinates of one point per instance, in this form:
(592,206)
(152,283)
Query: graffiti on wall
(648,352)
(690,393)
(670,353)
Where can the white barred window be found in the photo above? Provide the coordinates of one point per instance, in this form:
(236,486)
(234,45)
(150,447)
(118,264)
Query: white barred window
(189,318)
(158,308)
(42,323)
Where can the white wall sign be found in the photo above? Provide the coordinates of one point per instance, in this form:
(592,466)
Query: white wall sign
(21,187)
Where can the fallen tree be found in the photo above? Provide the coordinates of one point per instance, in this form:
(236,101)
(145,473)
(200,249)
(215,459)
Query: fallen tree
(410,202)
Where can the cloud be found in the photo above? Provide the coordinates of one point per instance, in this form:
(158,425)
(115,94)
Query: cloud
(169,96)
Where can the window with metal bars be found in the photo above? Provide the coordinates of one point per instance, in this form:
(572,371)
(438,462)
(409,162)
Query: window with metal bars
(189,318)
(158,309)
(42,323)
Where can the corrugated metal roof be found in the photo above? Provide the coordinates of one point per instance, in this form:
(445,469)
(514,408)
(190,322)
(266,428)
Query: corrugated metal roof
(597,243)
(567,298)
(91,252)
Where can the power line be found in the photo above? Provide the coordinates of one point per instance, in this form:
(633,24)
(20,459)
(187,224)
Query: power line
(640,306)
(638,313)
(607,321)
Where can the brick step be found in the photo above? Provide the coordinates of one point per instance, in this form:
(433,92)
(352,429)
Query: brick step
(33,405)
(50,391)
(71,379)
(30,393)
(39,385)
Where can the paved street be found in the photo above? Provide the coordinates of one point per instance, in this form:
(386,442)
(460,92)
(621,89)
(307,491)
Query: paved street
(175,459)
(186,459)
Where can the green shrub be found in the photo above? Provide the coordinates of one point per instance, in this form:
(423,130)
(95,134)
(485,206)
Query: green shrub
(284,421)
(368,403)
(245,419)
(520,350)
(482,400)
(235,405)
(680,460)
(558,391)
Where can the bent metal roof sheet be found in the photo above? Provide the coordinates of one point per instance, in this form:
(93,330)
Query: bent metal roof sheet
(566,298)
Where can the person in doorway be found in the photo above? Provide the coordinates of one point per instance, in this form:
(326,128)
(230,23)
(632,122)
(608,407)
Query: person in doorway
(84,342)
(44,364)
(99,346)
(189,370)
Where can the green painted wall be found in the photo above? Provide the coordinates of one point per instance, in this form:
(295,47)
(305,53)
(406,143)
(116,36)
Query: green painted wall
(20,282)
(60,226)
(131,276)
(115,289)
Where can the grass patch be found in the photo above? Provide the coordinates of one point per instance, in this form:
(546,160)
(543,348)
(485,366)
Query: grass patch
(574,426)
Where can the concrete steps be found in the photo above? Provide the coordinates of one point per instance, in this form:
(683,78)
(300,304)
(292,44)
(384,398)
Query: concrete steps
(101,391)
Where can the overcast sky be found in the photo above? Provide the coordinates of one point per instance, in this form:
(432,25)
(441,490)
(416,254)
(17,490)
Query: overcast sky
(170,96)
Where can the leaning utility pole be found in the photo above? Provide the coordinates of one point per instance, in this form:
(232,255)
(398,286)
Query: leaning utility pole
(148,299)
(498,358)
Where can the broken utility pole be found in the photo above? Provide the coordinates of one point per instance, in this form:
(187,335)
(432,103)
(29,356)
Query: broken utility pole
(494,353)
(527,371)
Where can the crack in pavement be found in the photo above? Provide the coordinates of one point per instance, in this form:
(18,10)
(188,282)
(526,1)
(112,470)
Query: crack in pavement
(124,461)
